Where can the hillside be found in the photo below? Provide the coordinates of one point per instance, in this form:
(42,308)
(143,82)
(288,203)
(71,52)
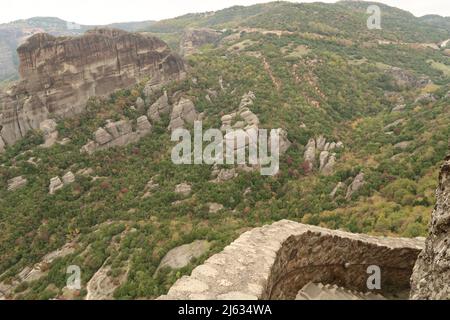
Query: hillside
(314,70)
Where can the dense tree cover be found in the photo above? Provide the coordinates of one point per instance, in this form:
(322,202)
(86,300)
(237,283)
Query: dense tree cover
(339,90)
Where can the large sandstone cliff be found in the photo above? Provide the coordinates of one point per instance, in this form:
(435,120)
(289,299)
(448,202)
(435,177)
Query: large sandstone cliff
(431,278)
(59,74)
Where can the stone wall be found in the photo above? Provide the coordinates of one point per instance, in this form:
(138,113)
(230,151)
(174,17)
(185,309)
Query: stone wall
(276,261)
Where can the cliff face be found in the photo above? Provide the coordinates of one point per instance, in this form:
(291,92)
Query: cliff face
(431,277)
(59,74)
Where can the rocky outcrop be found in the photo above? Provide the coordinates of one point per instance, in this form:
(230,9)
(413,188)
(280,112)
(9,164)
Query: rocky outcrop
(48,128)
(59,75)
(117,134)
(183,189)
(323,148)
(431,278)
(181,256)
(277,261)
(192,39)
(183,113)
(355,186)
(159,108)
(404,79)
(17,183)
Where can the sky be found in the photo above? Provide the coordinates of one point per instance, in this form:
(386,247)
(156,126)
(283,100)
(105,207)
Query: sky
(97,12)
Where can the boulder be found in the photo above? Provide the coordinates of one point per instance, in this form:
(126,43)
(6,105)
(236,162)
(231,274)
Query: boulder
(17,183)
(101,136)
(181,256)
(48,128)
(68,178)
(160,107)
(143,125)
(355,186)
(328,168)
(55,185)
(140,104)
(183,113)
(215,207)
(403,145)
(183,189)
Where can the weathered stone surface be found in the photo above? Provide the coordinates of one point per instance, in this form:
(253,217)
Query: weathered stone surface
(276,261)
(405,79)
(59,75)
(160,107)
(324,148)
(184,189)
(117,134)
(215,207)
(339,186)
(55,185)
(183,113)
(48,128)
(102,285)
(143,125)
(403,145)
(181,256)
(68,178)
(140,104)
(17,183)
(101,136)
(431,278)
(195,38)
(357,184)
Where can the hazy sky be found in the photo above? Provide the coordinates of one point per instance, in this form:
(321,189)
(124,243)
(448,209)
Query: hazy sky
(97,12)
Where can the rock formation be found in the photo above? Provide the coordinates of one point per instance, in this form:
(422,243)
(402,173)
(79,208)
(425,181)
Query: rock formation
(183,113)
(59,75)
(355,186)
(17,183)
(117,134)
(194,38)
(181,256)
(431,278)
(159,108)
(327,159)
(277,261)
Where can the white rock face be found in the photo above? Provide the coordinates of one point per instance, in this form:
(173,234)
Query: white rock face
(68,178)
(327,159)
(55,185)
(180,257)
(183,189)
(17,183)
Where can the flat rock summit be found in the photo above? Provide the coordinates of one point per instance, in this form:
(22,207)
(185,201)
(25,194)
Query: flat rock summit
(59,74)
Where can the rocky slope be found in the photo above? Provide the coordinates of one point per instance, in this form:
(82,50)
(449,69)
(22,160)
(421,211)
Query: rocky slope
(431,278)
(59,75)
